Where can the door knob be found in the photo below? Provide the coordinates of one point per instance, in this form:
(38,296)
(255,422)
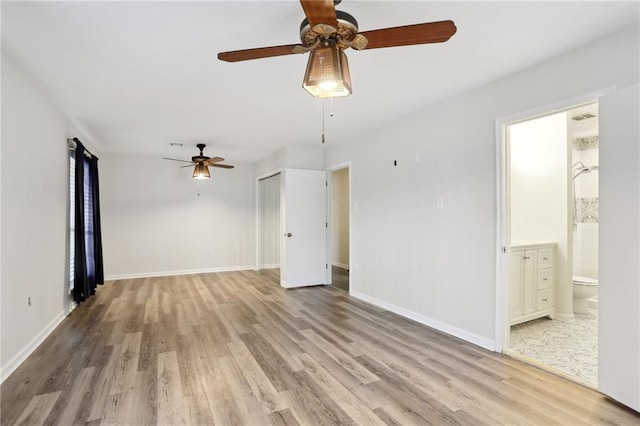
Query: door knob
(288,234)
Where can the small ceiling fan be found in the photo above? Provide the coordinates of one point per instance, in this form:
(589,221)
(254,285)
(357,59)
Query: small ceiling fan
(327,32)
(202,163)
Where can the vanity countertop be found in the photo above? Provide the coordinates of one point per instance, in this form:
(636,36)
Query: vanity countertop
(525,244)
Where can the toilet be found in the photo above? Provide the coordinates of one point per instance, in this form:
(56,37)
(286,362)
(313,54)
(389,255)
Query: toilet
(583,288)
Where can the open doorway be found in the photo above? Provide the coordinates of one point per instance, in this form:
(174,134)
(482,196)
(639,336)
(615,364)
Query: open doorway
(550,216)
(340,202)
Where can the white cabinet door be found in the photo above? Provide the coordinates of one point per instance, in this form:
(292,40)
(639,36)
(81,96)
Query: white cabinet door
(523,283)
(619,254)
(304,248)
(529,280)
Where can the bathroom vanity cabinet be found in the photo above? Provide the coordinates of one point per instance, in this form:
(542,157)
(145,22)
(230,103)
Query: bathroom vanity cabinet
(531,282)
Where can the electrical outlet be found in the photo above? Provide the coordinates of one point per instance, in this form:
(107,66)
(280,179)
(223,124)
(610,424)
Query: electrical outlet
(29,301)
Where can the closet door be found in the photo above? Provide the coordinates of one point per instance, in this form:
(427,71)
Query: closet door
(619,247)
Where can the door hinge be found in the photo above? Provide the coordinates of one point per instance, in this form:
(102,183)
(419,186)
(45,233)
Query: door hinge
(326,183)
(504,249)
(326,224)
(326,266)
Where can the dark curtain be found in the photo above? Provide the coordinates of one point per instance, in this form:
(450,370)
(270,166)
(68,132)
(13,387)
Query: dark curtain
(97,229)
(88,235)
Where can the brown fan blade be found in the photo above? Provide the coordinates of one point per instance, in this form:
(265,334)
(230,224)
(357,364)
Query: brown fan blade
(222,166)
(190,165)
(320,12)
(213,160)
(257,53)
(175,159)
(430,32)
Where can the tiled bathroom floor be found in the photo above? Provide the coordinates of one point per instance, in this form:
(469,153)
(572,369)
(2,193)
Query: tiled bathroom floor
(570,347)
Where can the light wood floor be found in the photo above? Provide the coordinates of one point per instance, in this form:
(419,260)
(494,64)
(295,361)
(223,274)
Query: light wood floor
(235,348)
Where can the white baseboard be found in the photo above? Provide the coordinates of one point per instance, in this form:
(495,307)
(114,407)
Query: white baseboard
(21,356)
(340,265)
(438,325)
(565,317)
(270,266)
(181,272)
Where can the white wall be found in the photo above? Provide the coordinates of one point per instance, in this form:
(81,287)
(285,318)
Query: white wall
(292,157)
(35,173)
(539,194)
(439,266)
(157,220)
(340,218)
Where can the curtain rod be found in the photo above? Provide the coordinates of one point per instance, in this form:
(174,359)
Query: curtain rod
(86,151)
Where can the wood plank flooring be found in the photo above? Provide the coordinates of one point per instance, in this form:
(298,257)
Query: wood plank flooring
(340,278)
(236,349)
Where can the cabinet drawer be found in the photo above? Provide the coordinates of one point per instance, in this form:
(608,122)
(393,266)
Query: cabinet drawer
(545,278)
(545,258)
(544,300)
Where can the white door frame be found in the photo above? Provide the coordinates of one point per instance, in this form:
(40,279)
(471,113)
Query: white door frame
(503,217)
(329,170)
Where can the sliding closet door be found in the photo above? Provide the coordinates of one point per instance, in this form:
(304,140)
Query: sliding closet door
(269,234)
(619,257)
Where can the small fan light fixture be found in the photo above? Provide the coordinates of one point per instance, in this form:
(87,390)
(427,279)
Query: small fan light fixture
(327,74)
(201,171)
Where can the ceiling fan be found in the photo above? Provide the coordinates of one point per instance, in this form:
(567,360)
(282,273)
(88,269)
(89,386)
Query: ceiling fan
(202,163)
(327,32)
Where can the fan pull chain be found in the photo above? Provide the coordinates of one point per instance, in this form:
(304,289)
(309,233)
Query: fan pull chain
(330,115)
(323,135)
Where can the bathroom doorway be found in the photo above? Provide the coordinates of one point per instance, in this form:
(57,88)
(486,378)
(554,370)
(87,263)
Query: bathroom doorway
(550,216)
(340,250)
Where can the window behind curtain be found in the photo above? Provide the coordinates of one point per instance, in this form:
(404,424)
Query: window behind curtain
(88,220)
(72,218)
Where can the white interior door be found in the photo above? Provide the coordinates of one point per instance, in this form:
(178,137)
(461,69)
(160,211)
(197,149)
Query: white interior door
(304,227)
(619,247)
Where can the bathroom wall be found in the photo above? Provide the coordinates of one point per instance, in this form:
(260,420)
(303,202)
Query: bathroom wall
(539,194)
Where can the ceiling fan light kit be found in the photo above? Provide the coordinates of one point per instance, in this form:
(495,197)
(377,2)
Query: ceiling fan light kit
(200,171)
(327,74)
(327,32)
(202,163)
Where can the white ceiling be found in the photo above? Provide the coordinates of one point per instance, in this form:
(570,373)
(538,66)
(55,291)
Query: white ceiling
(135,76)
